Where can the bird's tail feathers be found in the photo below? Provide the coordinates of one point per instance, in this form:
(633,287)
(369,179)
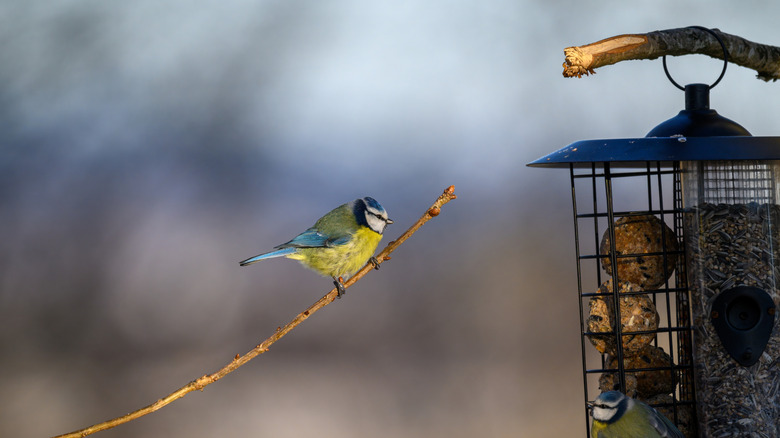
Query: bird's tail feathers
(269,255)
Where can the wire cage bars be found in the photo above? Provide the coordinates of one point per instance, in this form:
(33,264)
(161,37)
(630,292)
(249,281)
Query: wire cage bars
(635,318)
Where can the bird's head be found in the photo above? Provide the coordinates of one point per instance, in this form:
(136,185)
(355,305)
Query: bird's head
(609,406)
(370,213)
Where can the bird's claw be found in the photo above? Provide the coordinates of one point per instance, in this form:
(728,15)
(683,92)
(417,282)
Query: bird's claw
(374,262)
(340,286)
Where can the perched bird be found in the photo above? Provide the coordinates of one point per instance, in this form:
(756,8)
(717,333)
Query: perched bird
(339,243)
(618,416)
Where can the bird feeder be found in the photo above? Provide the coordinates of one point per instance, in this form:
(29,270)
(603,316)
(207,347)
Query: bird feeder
(677,240)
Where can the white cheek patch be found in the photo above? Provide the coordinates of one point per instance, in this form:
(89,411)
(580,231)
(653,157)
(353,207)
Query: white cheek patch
(603,414)
(375,223)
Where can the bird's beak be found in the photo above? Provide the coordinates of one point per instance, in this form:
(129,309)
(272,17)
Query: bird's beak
(389,221)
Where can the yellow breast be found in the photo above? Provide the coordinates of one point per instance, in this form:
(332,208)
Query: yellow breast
(598,426)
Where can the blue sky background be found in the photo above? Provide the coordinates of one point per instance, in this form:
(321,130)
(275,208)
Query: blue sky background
(149,146)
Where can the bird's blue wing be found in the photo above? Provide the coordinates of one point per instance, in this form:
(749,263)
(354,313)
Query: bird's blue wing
(663,425)
(312,238)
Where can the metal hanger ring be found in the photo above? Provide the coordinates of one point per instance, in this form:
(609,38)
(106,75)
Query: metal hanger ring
(725,59)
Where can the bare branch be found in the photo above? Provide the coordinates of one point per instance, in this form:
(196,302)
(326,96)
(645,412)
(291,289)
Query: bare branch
(238,361)
(583,60)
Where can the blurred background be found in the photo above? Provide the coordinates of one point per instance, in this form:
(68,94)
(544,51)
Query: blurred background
(148,146)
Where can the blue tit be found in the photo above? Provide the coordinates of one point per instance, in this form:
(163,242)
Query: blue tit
(618,416)
(339,243)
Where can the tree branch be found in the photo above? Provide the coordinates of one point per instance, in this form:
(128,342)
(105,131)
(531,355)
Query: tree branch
(583,60)
(238,361)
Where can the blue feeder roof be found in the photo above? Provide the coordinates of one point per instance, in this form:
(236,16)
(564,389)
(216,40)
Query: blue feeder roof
(697,133)
(637,151)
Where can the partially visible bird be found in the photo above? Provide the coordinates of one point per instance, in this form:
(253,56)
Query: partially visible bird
(618,416)
(339,243)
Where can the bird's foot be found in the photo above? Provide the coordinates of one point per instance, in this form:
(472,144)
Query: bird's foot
(374,262)
(339,282)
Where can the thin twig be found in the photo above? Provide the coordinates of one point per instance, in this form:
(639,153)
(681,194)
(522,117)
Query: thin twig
(238,361)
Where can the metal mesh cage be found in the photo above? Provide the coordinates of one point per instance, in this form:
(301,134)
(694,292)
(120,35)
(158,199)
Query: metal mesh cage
(631,219)
(734,182)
